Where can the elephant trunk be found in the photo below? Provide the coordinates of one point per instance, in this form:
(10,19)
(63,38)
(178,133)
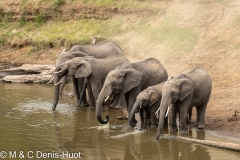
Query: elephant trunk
(163,109)
(134,110)
(105,92)
(56,91)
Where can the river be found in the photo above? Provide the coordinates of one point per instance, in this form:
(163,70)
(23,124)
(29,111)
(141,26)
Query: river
(30,129)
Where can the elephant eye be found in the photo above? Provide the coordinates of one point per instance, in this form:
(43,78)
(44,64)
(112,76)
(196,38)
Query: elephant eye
(172,93)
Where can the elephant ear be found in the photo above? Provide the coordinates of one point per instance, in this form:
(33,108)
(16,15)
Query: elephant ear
(186,88)
(83,69)
(132,78)
(154,97)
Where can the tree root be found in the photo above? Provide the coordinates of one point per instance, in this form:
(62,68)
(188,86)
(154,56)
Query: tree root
(231,146)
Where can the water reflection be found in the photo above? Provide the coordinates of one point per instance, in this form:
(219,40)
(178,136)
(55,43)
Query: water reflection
(28,123)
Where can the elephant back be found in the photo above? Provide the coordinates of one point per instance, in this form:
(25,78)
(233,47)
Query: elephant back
(152,70)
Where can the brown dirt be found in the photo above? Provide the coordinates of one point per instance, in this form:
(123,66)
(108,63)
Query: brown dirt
(216,52)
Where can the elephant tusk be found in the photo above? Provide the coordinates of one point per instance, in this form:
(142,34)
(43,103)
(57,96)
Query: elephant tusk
(58,82)
(140,106)
(167,112)
(106,98)
(157,111)
(50,80)
(58,71)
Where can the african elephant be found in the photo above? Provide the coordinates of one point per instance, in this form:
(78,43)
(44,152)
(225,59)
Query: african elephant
(190,88)
(100,50)
(93,69)
(148,99)
(131,79)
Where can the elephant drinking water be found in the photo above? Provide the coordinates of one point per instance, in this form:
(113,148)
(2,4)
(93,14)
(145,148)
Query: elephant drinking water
(95,70)
(190,88)
(100,50)
(131,79)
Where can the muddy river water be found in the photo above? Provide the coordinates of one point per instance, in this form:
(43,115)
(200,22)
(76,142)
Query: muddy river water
(29,129)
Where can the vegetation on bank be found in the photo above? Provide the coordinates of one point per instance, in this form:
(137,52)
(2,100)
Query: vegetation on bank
(157,28)
(45,24)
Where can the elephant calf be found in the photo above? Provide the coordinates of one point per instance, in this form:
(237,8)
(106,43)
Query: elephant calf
(148,99)
(190,88)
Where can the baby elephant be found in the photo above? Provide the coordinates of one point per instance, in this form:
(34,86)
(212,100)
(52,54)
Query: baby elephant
(147,101)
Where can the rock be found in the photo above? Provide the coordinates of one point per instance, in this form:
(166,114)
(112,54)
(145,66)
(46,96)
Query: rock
(28,73)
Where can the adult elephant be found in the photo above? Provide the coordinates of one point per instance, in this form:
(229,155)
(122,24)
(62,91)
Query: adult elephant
(147,100)
(190,88)
(93,69)
(131,79)
(100,50)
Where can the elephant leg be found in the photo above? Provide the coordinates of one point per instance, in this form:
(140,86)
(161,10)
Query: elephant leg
(147,115)
(121,101)
(189,118)
(202,111)
(154,108)
(125,108)
(131,100)
(96,89)
(76,90)
(184,108)
(82,82)
(115,100)
(141,114)
(92,102)
(173,110)
(198,116)
(63,84)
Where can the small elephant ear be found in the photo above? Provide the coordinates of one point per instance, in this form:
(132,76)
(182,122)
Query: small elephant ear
(132,78)
(186,87)
(154,97)
(83,69)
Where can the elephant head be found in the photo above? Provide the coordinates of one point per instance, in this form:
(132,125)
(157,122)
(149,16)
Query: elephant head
(145,99)
(173,90)
(76,67)
(67,55)
(118,80)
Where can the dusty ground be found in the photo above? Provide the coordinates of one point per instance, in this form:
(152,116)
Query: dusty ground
(216,52)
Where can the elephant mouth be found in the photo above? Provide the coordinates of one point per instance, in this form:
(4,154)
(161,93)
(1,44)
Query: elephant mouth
(116,90)
(174,100)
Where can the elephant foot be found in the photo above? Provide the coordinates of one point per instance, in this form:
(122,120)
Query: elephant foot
(201,126)
(183,131)
(144,125)
(173,129)
(83,104)
(122,118)
(154,126)
(118,106)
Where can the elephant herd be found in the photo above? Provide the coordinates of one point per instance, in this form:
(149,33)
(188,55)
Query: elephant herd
(100,73)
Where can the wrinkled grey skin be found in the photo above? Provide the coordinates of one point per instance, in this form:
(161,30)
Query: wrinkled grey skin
(148,99)
(93,69)
(190,88)
(100,50)
(131,79)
